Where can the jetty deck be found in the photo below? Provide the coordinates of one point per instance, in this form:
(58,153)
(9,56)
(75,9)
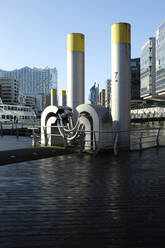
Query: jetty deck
(27,154)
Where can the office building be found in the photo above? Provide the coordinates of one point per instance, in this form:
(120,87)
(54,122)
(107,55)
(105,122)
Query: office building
(147,69)
(107,93)
(33,81)
(9,91)
(135,79)
(160,60)
(102,97)
(30,101)
(94,94)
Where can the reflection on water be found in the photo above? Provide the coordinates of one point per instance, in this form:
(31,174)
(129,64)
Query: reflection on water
(8,142)
(84,201)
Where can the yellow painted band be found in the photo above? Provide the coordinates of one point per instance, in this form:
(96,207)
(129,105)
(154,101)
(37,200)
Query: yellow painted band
(63,92)
(121,33)
(75,42)
(56,147)
(53,91)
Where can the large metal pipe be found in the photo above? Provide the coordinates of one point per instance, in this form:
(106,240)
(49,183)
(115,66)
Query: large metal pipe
(120,73)
(54,97)
(75,70)
(63,98)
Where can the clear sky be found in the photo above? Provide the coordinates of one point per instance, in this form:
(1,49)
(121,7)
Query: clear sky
(33,32)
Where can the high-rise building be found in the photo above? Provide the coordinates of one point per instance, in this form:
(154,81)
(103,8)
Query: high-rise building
(147,69)
(94,94)
(9,91)
(160,60)
(33,81)
(102,97)
(30,101)
(107,93)
(135,79)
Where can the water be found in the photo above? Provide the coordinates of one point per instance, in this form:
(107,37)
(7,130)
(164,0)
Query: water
(84,201)
(8,142)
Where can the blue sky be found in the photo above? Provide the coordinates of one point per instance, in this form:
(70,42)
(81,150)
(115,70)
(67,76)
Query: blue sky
(33,32)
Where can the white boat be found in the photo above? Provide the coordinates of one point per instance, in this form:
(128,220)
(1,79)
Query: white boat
(16,113)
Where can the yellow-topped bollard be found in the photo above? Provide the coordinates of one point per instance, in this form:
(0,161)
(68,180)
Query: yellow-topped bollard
(121,33)
(75,42)
(120,86)
(63,98)
(54,97)
(53,92)
(75,69)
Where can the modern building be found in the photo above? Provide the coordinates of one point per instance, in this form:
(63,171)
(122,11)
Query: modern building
(30,101)
(94,94)
(135,79)
(40,101)
(102,97)
(108,93)
(9,91)
(160,60)
(147,69)
(33,81)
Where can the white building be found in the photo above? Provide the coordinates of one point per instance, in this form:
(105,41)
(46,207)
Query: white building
(147,69)
(33,81)
(30,101)
(160,60)
(9,91)
(107,93)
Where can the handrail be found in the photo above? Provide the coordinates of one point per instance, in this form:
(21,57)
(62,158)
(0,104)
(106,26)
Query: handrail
(139,139)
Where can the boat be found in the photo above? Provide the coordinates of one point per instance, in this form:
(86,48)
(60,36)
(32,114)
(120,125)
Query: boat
(16,113)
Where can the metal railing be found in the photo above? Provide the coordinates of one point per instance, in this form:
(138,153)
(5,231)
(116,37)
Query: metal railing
(140,138)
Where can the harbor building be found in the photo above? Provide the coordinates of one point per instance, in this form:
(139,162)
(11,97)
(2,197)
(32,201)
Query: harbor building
(147,69)
(102,97)
(160,60)
(135,79)
(94,94)
(9,91)
(30,101)
(107,93)
(33,81)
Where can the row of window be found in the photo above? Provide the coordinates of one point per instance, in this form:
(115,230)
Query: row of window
(11,117)
(144,91)
(160,85)
(15,108)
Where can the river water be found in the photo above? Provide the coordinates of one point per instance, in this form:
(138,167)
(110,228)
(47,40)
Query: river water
(84,201)
(9,142)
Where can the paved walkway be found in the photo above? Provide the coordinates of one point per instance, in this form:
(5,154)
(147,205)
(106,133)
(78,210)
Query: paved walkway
(28,154)
(84,201)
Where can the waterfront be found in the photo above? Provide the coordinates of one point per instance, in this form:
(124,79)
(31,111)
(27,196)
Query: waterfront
(9,142)
(84,201)
(149,131)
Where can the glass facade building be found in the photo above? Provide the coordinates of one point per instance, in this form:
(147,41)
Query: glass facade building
(160,59)
(108,93)
(33,81)
(135,79)
(147,69)
(9,91)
